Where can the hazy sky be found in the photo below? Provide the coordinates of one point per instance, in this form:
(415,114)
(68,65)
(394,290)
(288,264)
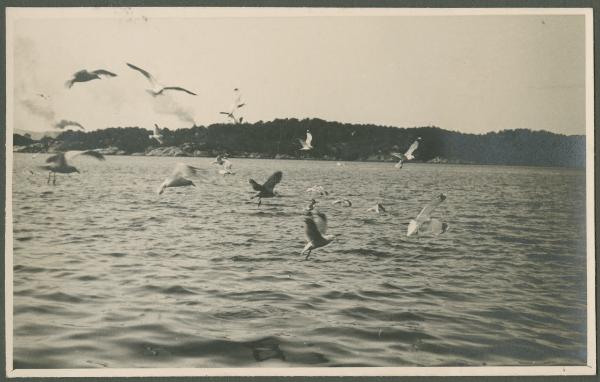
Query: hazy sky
(467,73)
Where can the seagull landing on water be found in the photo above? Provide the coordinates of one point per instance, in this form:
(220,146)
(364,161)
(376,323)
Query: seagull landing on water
(236,104)
(306,144)
(408,155)
(84,76)
(342,202)
(424,216)
(377,208)
(226,168)
(266,190)
(317,189)
(315,227)
(179,177)
(156,134)
(64,123)
(157,88)
(59,162)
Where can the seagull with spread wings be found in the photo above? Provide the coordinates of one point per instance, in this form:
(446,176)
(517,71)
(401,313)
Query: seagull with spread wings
(59,162)
(408,155)
(84,76)
(157,88)
(306,144)
(315,228)
(236,104)
(266,190)
(179,177)
(64,123)
(425,216)
(156,134)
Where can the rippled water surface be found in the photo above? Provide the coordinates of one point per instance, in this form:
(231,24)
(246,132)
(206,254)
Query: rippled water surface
(109,274)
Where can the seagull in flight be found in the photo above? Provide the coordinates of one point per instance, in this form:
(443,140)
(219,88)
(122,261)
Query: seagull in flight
(342,202)
(59,162)
(306,144)
(266,190)
(179,177)
(236,104)
(408,155)
(424,216)
(315,228)
(377,208)
(64,123)
(156,134)
(84,76)
(157,88)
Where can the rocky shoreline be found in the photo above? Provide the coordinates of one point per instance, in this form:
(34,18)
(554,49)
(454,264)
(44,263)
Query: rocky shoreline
(183,151)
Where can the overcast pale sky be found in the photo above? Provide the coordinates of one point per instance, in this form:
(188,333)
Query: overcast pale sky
(467,73)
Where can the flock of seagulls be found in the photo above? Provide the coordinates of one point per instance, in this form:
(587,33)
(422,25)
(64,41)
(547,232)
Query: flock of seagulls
(156,89)
(315,222)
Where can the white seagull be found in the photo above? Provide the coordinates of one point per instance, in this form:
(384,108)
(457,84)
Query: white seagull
(424,215)
(157,88)
(179,177)
(408,155)
(342,202)
(317,189)
(237,103)
(226,168)
(59,162)
(156,134)
(315,227)
(306,144)
(377,208)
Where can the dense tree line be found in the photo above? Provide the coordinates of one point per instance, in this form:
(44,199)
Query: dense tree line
(338,141)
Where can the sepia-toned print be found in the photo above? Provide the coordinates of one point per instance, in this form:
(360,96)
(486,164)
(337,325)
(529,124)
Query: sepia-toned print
(261,191)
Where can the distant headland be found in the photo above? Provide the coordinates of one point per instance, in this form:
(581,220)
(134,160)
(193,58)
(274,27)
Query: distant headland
(278,139)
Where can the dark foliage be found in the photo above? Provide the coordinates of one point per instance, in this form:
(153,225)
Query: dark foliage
(338,141)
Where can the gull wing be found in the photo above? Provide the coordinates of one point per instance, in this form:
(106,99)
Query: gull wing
(184,170)
(434,227)
(308,138)
(64,123)
(227,164)
(411,149)
(321,222)
(426,211)
(156,130)
(179,89)
(59,159)
(273,181)
(398,155)
(72,154)
(102,72)
(302,143)
(311,231)
(255,185)
(144,73)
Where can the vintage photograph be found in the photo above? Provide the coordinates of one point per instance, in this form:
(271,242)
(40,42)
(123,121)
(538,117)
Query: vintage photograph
(297,191)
